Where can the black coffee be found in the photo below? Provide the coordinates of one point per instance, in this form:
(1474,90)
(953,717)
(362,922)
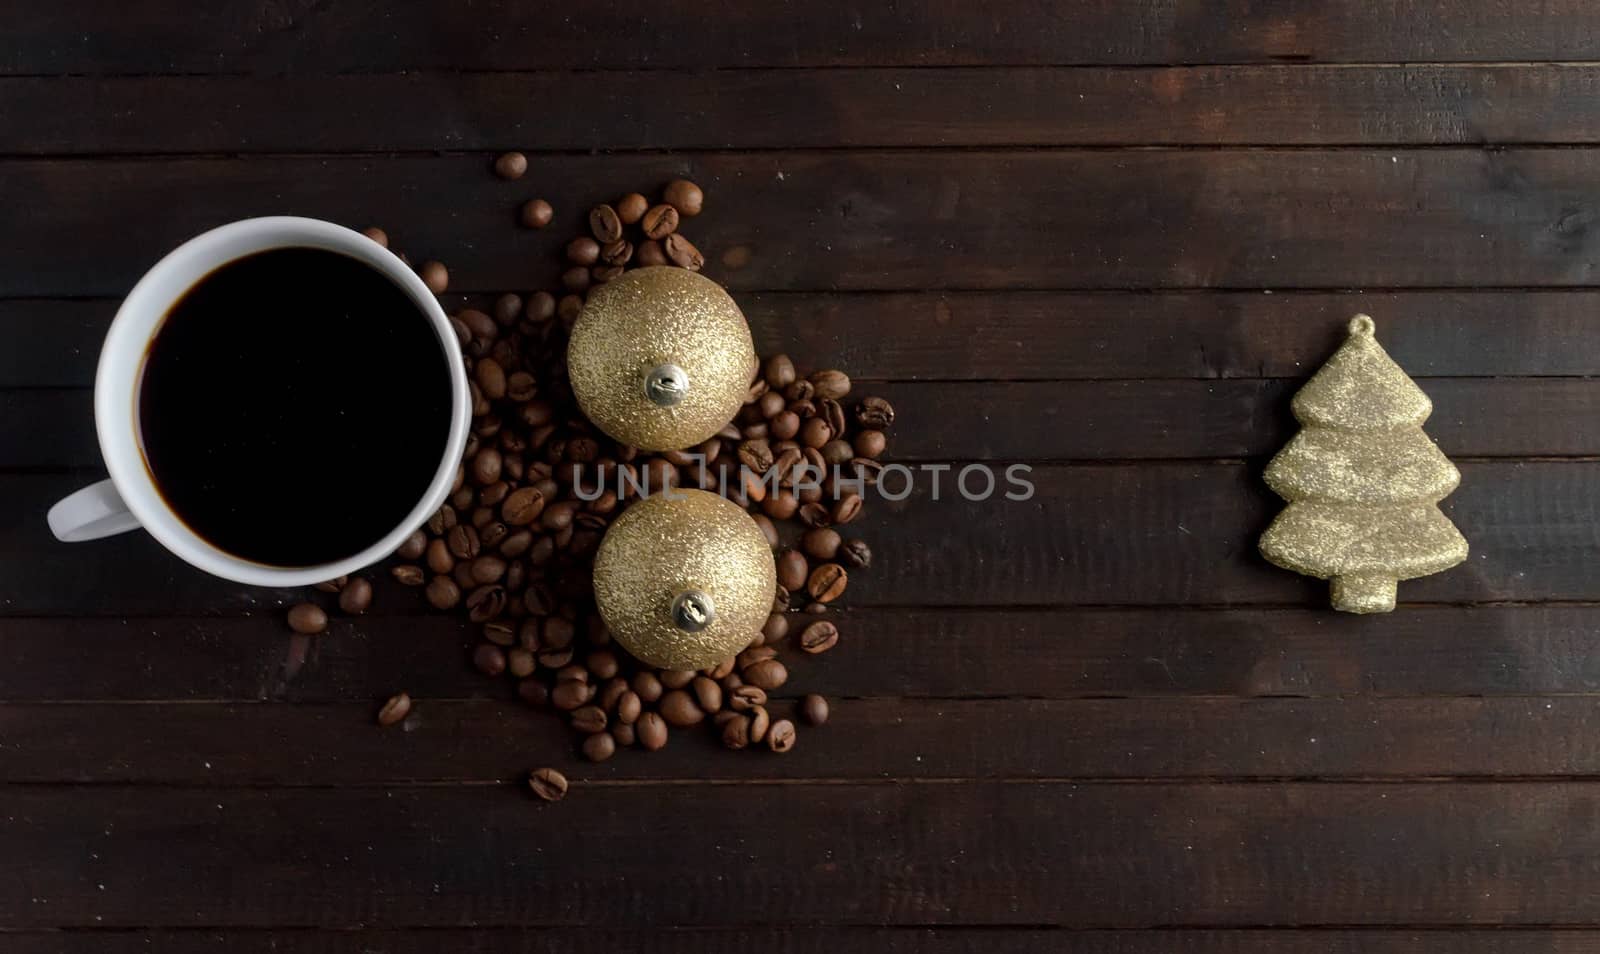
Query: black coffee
(294,406)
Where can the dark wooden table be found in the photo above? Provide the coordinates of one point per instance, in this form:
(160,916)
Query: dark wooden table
(1107,238)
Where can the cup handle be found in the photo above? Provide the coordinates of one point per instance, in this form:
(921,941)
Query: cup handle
(95,511)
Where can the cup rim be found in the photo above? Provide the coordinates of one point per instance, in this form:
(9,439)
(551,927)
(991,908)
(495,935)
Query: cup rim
(116,413)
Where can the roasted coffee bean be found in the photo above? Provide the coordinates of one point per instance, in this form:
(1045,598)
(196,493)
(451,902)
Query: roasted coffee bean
(576,279)
(819,637)
(869,444)
(528,634)
(500,633)
(801,390)
(874,413)
(520,662)
(516,543)
(555,658)
(521,386)
(486,466)
(494,494)
(847,508)
(677,678)
(775,629)
(779,371)
(836,452)
(720,669)
(820,543)
(523,507)
(408,575)
(511,165)
(768,529)
(589,719)
(463,542)
(746,697)
(492,535)
(611,691)
(753,432)
(780,599)
(617,253)
(332,586)
(707,693)
(833,412)
(631,208)
(307,619)
(652,731)
(507,309)
(516,577)
(786,463)
(649,253)
(599,747)
(413,546)
(539,307)
(568,309)
(684,196)
(629,707)
(814,709)
(856,553)
(759,721)
(785,425)
(439,558)
(443,519)
(815,432)
(772,404)
(356,596)
(736,732)
(659,221)
(548,784)
(377,235)
(866,470)
(780,506)
(624,734)
(462,574)
(827,582)
(831,384)
(536,213)
(605,224)
(489,658)
(574,672)
(767,674)
(569,694)
(815,515)
(678,707)
(602,664)
(805,409)
(782,736)
(487,569)
(557,631)
(583,250)
(791,569)
(534,692)
(443,593)
(648,686)
(395,709)
(756,455)
(682,253)
(435,276)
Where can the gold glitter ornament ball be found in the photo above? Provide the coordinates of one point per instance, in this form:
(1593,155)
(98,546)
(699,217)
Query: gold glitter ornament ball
(684,581)
(660,358)
(1363,481)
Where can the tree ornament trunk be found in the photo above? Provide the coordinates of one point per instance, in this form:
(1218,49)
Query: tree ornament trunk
(1363,593)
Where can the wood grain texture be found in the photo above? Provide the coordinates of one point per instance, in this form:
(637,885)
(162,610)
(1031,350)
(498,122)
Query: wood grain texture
(299,36)
(942,654)
(810,940)
(1156,534)
(903,220)
(1096,855)
(1050,420)
(1011,336)
(304,744)
(807,109)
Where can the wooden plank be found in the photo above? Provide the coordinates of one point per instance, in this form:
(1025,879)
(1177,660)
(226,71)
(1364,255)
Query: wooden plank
(1056,654)
(875,221)
(1053,420)
(1100,855)
(782,109)
(809,940)
(865,739)
(1151,535)
(952,336)
(303,38)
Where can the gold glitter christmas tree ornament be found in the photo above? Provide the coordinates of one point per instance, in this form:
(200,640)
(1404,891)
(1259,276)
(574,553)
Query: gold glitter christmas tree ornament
(684,581)
(1363,481)
(660,358)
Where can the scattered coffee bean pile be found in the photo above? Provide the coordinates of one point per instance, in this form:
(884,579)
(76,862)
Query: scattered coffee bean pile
(513,547)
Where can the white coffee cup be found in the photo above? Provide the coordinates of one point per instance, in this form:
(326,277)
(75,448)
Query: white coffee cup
(130,500)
